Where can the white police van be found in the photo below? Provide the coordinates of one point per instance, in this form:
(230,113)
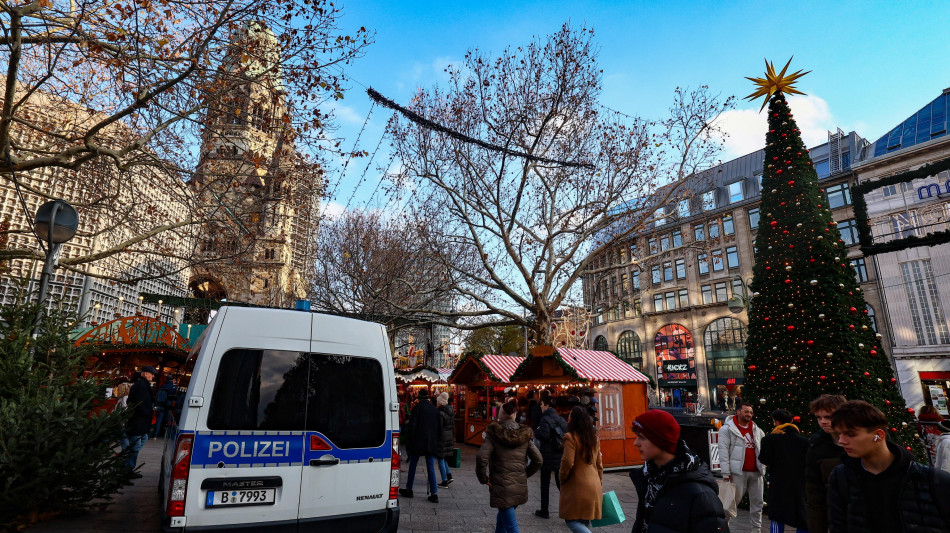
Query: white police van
(289,423)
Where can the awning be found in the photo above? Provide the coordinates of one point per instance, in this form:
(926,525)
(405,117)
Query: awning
(497,368)
(502,366)
(595,365)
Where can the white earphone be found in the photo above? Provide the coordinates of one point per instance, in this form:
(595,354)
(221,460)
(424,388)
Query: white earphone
(877,438)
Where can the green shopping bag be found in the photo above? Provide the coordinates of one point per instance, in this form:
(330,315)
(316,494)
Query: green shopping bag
(456,458)
(611,512)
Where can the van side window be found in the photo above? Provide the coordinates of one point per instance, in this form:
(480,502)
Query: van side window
(347,402)
(259,389)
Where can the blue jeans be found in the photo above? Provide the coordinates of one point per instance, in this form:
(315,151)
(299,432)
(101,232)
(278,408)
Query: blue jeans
(578,526)
(778,527)
(136,442)
(507,521)
(430,472)
(444,469)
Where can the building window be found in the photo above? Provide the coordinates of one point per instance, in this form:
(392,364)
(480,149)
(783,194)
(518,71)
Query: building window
(613,285)
(682,208)
(714,229)
(667,271)
(872,318)
(664,243)
(637,307)
(707,294)
(655,271)
(728,227)
(758,179)
(724,340)
(680,269)
(652,245)
(677,238)
(926,311)
(709,200)
(846,160)
(658,302)
(699,232)
(671,300)
(838,195)
(636,279)
(860,270)
(626,309)
(683,298)
(623,255)
(624,283)
(628,348)
(600,343)
(891,190)
(737,288)
(717,262)
(703,263)
(732,257)
(721,294)
(633,252)
(822,168)
(660,217)
(735,192)
(598,317)
(754,218)
(849,231)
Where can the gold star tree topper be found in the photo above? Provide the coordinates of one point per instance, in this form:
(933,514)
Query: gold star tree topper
(775,83)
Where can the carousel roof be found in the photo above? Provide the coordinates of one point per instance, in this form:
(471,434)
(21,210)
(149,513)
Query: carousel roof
(432,375)
(134,333)
(590,365)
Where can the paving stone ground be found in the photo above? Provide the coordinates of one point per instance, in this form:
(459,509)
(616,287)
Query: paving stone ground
(463,507)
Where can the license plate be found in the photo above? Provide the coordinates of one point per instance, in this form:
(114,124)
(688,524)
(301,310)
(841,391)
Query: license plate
(231,498)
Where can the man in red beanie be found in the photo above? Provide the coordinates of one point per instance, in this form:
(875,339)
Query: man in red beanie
(677,492)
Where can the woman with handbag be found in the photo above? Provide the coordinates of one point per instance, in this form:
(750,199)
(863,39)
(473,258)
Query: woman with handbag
(581,473)
(677,492)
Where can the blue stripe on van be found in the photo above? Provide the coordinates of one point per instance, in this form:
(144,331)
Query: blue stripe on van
(247,449)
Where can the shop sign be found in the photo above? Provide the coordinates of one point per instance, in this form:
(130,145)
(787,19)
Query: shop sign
(677,382)
(675,366)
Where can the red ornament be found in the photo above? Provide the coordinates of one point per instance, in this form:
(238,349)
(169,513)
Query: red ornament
(888,402)
(791,245)
(810,342)
(766,319)
(752,368)
(790,328)
(873,353)
(910,410)
(851,327)
(853,310)
(822,377)
(788,281)
(791,182)
(867,374)
(773,223)
(771,378)
(893,380)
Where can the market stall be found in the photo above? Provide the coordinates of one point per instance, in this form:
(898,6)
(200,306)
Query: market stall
(618,390)
(434,380)
(481,380)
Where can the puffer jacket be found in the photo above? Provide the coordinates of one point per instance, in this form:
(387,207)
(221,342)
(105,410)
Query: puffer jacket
(501,462)
(822,458)
(688,501)
(732,447)
(545,433)
(923,503)
(783,451)
(425,424)
(447,432)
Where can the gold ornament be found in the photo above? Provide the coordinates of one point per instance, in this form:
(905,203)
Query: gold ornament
(775,83)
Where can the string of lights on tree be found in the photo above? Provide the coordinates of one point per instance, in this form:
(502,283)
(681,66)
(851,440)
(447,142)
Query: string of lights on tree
(809,329)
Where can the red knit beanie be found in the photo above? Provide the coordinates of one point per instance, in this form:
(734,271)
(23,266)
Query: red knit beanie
(660,428)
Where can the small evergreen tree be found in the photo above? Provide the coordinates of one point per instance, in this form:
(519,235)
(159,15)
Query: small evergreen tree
(809,330)
(55,453)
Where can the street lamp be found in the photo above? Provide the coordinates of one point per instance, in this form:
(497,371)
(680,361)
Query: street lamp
(738,303)
(56,222)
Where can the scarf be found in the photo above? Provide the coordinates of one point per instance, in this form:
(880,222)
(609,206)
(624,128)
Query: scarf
(656,477)
(781,428)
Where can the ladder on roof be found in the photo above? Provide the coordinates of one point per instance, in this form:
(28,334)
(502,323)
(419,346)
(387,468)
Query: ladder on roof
(834,150)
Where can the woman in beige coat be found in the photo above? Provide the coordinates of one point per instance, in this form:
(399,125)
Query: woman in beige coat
(582,473)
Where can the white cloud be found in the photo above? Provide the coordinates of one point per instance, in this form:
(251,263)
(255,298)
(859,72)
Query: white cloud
(344,113)
(332,210)
(746,128)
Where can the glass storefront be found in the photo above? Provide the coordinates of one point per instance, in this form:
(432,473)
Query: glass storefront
(600,343)
(676,366)
(724,341)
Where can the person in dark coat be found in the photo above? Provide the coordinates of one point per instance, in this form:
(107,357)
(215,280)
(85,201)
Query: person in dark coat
(783,452)
(505,461)
(140,401)
(823,456)
(878,487)
(677,492)
(425,424)
(535,412)
(446,437)
(550,434)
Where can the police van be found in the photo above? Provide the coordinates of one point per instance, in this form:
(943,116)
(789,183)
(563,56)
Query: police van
(288,423)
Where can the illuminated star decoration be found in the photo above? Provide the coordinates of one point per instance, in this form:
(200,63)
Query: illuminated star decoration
(775,83)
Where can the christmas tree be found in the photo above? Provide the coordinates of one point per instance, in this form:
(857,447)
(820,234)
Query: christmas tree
(809,330)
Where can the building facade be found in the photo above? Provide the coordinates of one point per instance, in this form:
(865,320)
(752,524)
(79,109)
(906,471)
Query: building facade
(661,299)
(915,282)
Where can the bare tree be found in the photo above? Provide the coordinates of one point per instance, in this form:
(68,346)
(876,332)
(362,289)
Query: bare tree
(531,223)
(116,105)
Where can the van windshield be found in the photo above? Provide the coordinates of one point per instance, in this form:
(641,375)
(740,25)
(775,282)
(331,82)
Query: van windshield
(341,397)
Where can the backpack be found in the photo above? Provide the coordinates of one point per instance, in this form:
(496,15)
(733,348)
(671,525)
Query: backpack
(557,438)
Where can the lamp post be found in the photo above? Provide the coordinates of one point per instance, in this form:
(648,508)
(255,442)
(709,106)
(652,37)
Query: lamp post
(738,303)
(56,222)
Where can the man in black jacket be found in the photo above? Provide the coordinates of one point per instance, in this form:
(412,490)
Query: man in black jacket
(783,452)
(879,487)
(425,423)
(823,456)
(677,492)
(140,401)
(550,433)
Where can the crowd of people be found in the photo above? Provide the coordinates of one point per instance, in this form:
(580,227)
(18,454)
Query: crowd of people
(846,478)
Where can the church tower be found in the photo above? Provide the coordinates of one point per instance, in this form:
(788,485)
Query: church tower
(261,195)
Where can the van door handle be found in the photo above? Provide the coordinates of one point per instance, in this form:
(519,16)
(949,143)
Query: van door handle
(324,462)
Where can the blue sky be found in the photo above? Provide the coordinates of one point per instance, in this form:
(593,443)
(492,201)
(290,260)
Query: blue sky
(873,63)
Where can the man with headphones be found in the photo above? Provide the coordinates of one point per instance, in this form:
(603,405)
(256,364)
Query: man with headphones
(879,487)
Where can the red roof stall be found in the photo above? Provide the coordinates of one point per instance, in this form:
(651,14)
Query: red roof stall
(620,389)
(481,380)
